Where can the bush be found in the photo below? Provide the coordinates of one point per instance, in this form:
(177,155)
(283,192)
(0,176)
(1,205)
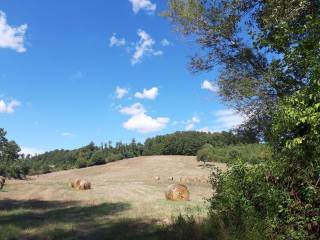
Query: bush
(280,196)
(206,153)
(296,140)
(114,157)
(15,170)
(97,158)
(250,153)
(244,199)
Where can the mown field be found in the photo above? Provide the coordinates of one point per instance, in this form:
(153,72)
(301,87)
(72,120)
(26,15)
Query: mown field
(126,200)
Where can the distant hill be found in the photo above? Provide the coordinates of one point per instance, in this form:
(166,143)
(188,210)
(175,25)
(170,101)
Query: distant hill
(178,143)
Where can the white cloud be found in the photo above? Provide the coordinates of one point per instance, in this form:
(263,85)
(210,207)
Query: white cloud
(12,37)
(209,86)
(121,92)
(145,5)
(151,93)
(31,151)
(227,119)
(68,135)
(144,47)
(191,123)
(165,42)
(8,107)
(141,122)
(145,124)
(118,42)
(134,109)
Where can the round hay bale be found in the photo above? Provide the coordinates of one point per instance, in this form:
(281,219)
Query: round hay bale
(75,183)
(204,180)
(2,179)
(189,179)
(84,185)
(170,178)
(157,178)
(177,192)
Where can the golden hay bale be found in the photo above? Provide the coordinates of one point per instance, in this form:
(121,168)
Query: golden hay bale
(157,178)
(75,183)
(182,179)
(84,185)
(2,179)
(177,192)
(204,180)
(170,178)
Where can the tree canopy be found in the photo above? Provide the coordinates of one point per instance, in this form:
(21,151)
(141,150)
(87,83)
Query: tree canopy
(264,49)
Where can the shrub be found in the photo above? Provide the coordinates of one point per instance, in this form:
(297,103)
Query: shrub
(206,153)
(250,153)
(296,140)
(114,157)
(280,196)
(97,158)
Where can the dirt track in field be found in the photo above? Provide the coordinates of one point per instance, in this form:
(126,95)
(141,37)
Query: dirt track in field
(132,181)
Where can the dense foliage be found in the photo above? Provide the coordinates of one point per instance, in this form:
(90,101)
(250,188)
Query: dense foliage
(206,153)
(249,153)
(10,163)
(188,143)
(179,143)
(268,52)
(83,157)
(260,48)
(284,191)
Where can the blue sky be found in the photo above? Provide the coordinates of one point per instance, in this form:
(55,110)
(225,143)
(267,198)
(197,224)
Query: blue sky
(77,71)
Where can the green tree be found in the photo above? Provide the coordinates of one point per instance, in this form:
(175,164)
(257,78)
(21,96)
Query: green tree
(268,52)
(206,154)
(9,150)
(264,49)
(296,139)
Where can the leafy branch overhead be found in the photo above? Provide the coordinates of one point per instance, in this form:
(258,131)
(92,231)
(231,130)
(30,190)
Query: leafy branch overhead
(261,48)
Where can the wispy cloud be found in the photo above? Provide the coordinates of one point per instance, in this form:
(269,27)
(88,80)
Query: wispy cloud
(145,46)
(165,42)
(9,107)
(209,86)
(191,123)
(68,135)
(118,42)
(145,5)
(151,93)
(227,119)
(141,122)
(77,75)
(121,92)
(12,37)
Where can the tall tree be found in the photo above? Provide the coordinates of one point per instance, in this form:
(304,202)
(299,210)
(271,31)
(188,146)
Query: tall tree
(9,150)
(264,49)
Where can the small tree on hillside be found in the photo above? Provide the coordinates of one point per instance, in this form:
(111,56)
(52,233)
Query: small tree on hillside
(206,154)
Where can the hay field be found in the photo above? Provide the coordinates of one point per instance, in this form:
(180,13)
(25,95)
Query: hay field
(126,200)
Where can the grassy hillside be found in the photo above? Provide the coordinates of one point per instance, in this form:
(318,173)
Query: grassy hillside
(179,143)
(125,195)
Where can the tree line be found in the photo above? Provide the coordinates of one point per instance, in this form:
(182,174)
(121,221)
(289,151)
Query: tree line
(17,165)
